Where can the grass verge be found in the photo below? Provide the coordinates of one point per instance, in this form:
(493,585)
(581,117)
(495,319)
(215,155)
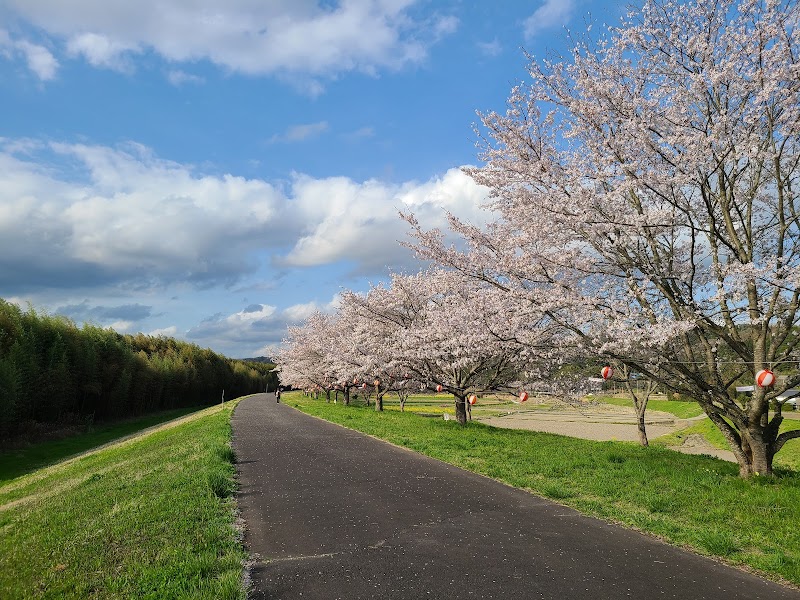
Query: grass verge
(693,501)
(24,460)
(150,518)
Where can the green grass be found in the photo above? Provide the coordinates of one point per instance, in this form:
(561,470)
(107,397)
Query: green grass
(438,404)
(693,501)
(24,460)
(704,428)
(682,410)
(788,457)
(151,517)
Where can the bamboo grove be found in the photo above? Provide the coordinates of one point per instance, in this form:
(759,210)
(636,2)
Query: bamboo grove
(53,372)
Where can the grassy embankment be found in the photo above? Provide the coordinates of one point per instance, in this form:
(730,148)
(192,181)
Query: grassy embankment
(18,462)
(693,501)
(151,517)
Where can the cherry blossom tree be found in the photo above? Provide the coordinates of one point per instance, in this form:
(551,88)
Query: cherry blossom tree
(639,390)
(439,328)
(646,188)
(368,352)
(305,358)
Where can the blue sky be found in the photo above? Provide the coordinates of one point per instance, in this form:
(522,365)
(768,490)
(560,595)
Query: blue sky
(214,171)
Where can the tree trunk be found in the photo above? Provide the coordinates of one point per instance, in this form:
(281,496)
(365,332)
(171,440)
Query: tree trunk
(379,402)
(757,452)
(347,396)
(642,429)
(639,398)
(753,452)
(461,410)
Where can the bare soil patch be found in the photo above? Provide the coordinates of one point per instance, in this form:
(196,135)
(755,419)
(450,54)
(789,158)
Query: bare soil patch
(603,422)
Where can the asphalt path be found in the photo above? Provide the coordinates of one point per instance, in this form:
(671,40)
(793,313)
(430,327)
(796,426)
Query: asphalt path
(332,513)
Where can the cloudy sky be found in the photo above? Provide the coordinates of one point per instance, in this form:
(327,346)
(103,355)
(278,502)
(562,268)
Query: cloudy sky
(215,170)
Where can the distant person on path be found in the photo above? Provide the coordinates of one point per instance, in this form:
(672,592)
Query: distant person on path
(278,395)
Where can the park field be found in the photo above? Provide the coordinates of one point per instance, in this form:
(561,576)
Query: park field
(150,517)
(689,418)
(697,502)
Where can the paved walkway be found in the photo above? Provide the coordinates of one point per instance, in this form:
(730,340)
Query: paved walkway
(332,513)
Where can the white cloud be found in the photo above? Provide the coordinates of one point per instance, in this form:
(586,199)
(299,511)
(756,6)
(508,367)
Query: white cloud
(299,133)
(21,302)
(445,26)
(256,312)
(121,326)
(300,312)
(553,13)
(101,51)
(319,39)
(178,78)
(38,58)
(80,222)
(170,331)
(361,133)
(493,48)
(259,326)
(129,217)
(360,222)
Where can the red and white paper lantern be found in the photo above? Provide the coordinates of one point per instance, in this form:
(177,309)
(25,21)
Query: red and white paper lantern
(439,388)
(523,396)
(765,378)
(607,372)
(364,385)
(473,399)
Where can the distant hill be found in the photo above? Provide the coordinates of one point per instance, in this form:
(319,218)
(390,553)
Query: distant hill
(259,359)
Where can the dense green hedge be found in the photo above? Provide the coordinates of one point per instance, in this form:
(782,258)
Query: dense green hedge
(52,371)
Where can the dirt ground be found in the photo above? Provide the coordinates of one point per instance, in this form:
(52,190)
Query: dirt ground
(603,422)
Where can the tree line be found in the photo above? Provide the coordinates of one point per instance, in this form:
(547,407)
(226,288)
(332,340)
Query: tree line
(52,371)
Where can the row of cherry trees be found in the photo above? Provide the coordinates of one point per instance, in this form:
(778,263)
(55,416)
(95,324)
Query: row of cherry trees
(645,205)
(432,330)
